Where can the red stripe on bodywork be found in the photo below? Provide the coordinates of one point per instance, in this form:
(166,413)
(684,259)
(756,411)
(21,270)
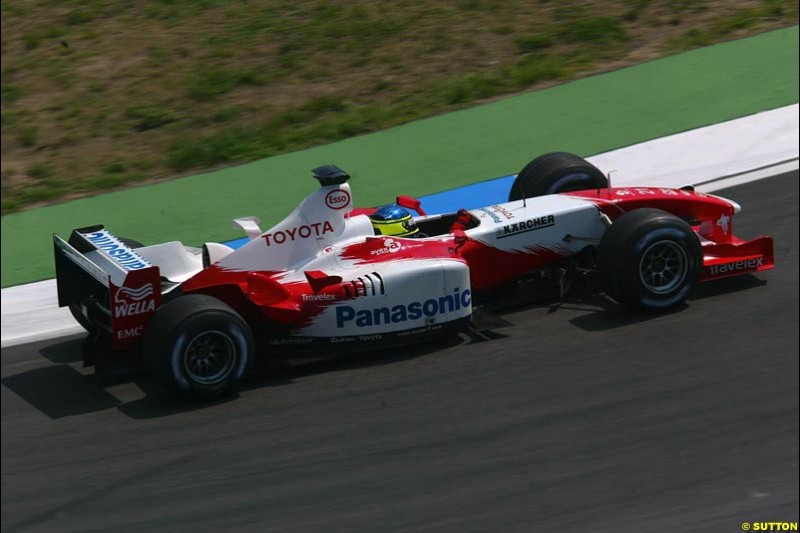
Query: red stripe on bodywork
(724,260)
(383,249)
(490,266)
(714,213)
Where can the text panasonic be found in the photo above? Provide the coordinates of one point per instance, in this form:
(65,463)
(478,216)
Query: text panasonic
(346,315)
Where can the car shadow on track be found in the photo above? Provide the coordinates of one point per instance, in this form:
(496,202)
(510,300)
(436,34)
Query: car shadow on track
(598,311)
(270,374)
(61,389)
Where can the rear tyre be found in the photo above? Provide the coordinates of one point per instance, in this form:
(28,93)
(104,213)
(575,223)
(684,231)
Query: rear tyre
(131,243)
(554,173)
(650,259)
(198,347)
(75,309)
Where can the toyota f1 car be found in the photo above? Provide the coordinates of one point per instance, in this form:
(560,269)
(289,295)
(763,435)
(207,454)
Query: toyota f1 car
(323,276)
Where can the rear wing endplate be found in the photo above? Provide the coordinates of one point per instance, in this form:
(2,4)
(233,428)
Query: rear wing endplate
(118,297)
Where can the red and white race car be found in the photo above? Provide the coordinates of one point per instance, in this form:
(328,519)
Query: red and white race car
(323,276)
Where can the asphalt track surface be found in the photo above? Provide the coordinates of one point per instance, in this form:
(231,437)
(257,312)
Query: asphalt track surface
(575,416)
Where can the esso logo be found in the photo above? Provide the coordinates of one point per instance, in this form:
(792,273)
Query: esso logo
(338,199)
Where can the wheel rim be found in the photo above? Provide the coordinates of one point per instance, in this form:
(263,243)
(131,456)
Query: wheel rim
(210,357)
(663,267)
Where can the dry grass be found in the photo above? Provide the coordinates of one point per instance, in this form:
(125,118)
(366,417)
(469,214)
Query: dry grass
(99,94)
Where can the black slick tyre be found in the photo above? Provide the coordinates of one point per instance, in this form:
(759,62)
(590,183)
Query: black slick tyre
(131,243)
(649,259)
(554,173)
(75,309)
(198,347)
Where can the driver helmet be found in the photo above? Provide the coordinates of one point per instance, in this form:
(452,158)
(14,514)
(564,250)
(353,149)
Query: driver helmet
(395,221)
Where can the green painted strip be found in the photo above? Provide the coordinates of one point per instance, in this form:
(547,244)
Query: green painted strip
(587,116)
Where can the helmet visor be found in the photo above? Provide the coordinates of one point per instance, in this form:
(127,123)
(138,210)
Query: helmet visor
(404,227)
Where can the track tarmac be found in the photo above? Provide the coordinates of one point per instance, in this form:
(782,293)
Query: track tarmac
(565,416)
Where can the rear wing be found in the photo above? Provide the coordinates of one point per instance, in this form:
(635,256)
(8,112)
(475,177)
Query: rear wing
(106,283)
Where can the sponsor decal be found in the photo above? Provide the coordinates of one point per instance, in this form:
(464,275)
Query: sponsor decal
(116,250)
(724,222)
(129,302)
(417,331)
(305,231)
(654,192)
(132,305)
(492,215)
(341,340)
(128,294)
(338,199)
(290,341)
(532,224)
(495,211)
(503,211)
(736,266)
(347,315)
(129,333)
(319,297)
(390,246)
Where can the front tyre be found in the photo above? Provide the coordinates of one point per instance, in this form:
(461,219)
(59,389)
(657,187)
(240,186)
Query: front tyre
(199,347)
(650,259)
(556,172)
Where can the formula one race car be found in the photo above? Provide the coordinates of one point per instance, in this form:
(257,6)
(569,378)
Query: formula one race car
(325,275)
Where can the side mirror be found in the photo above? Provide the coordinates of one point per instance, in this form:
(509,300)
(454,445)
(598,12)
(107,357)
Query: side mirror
(409,202)
(460,238)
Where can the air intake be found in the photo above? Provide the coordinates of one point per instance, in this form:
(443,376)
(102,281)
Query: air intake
(330,175)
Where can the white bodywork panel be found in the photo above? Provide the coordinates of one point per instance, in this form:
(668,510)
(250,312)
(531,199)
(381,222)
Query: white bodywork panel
(318,222)
(417,294)
(174,261)
(541,222)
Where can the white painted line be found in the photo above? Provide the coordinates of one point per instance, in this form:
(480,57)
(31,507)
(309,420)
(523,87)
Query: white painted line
(713,158)
(700,155)
(747,177)
(31,313)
